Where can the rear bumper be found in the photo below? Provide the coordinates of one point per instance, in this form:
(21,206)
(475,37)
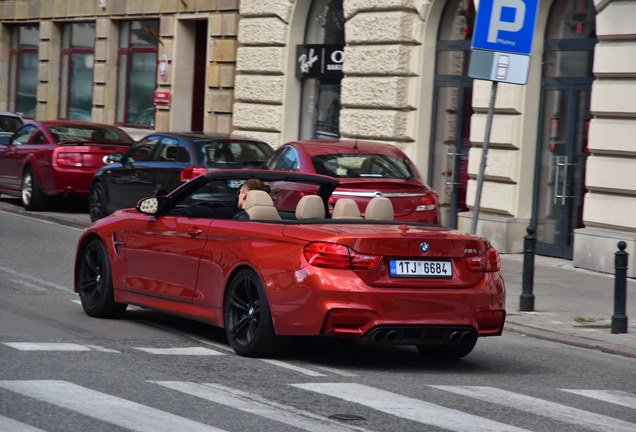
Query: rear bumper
(340,304)
(73,181)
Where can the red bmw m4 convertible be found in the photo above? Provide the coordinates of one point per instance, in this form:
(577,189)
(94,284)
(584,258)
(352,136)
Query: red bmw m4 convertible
(309,271)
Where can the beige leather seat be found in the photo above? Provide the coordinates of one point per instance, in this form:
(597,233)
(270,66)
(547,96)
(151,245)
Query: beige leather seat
(346,208)
(310,207)
(259,206)
(379,208)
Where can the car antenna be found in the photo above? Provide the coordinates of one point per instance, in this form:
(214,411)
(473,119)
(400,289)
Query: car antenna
(355,143)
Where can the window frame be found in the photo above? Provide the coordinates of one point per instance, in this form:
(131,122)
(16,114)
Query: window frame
(124,55)
(65,88)
(15,54)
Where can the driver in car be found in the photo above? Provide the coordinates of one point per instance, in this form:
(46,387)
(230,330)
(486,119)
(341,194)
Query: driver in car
(212,210)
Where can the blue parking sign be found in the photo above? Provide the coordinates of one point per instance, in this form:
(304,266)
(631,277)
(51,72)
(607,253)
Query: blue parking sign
(505,25)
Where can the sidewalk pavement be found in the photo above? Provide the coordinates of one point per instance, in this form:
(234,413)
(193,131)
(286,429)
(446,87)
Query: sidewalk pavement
(572,306)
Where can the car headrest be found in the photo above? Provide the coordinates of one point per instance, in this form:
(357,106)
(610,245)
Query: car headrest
(259,205)
(379,208)
(346,208)
(310,207)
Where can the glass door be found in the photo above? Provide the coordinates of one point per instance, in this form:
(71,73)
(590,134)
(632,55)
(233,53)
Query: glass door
(563,154)
(565,116)
(452,109)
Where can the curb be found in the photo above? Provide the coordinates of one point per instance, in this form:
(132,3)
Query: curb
(571,340)
(50,218)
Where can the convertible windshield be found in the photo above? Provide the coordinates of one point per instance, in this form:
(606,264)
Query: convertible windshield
(63,133)
(350,165)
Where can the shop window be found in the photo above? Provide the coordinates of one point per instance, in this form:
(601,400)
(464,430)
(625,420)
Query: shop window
(76,78)
(320,62)
(23,69)
(137,74)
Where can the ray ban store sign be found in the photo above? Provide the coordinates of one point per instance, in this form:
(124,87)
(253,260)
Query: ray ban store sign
(319,61)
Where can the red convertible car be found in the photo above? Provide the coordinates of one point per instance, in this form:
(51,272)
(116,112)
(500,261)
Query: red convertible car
(300,272)
(365,169)
(49,158)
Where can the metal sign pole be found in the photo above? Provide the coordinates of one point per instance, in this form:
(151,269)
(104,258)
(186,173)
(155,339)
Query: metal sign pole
(484,154)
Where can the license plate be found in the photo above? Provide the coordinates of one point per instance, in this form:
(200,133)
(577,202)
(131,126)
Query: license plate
(418,268)
(235,184)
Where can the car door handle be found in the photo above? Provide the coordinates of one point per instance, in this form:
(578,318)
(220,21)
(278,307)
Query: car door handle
(194,232)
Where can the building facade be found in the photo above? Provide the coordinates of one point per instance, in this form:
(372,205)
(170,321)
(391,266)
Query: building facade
(103,60)
(561,154)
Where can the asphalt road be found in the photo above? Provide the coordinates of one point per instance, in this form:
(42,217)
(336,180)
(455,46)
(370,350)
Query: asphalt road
(61,371)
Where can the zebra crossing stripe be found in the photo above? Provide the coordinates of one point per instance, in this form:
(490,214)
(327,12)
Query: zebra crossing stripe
(10,425)
(200,351)
(255,404)
(615,397)
(32,346)
(302,370)
(104,407)
(543,408)
(408,408)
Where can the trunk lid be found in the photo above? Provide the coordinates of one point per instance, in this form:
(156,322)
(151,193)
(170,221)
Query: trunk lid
(404,196)
(405,243)
(88,155)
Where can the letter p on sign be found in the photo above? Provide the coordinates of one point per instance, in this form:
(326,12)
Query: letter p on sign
(517,7)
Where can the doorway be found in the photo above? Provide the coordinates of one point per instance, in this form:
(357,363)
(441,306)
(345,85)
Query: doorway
(565,116)
(452,108)
(198,81)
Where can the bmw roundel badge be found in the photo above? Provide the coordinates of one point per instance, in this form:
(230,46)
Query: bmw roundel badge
(424,247)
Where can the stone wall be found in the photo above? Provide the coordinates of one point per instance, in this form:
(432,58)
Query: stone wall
(610,204)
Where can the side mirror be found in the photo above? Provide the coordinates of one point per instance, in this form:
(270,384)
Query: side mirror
(151,205)
(112,158)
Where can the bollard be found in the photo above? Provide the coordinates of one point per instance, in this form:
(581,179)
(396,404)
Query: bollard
(526,302)
(619,319)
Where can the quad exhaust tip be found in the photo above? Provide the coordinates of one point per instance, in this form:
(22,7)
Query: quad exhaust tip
(422,334)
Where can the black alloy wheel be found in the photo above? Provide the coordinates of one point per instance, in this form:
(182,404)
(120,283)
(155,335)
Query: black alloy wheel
(97,202)
(32,197)
(248,322)
(95,283)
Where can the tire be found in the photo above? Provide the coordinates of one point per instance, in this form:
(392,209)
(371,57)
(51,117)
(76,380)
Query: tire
(248,322)
(95,283)
(32,197)
(97,202)
(448,352)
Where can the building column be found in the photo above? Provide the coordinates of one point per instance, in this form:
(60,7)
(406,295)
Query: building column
(609,211)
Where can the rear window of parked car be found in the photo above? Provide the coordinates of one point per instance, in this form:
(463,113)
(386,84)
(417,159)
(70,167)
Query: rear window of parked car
(64,133)
(232,153)
(10,124)
(349,165)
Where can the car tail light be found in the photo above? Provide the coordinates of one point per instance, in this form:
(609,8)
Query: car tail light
(427,202)
(192,172)
(333,255)
(489,261)
(69,160)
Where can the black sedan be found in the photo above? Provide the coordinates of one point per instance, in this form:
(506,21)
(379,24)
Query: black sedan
(160,162)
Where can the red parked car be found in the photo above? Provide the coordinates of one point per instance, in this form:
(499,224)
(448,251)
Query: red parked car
(298,272)
(364,169)
(49,158)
